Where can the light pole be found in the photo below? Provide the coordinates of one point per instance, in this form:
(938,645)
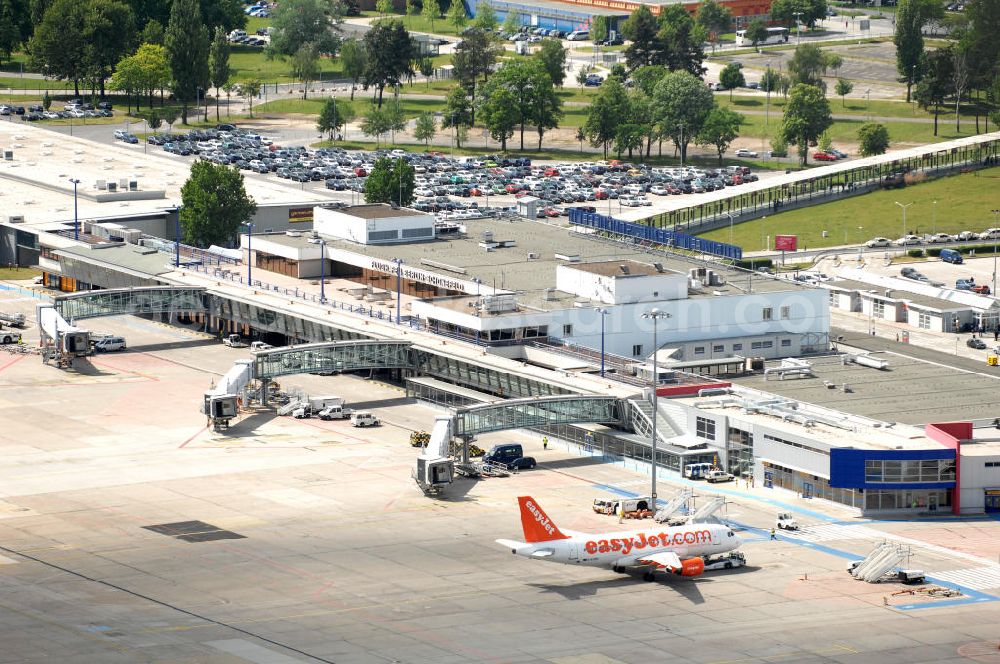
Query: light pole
(322,271)
(76,216)
(177,239)
(904,215)
(656,315)
(249,254)
(603,312)
(399,280)
(996,215)
(680,125)
(868,104)
(731,216)
(798,28)
(767,103)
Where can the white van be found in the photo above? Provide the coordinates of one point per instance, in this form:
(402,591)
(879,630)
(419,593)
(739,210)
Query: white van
(364,419)
(578,35)
(108,344)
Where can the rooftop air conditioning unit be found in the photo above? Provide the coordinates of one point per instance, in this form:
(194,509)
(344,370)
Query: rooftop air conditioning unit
(133,185)
(532,256)
(112,186)
(15,219)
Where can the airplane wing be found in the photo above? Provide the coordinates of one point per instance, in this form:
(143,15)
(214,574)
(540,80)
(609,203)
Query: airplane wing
(664,560)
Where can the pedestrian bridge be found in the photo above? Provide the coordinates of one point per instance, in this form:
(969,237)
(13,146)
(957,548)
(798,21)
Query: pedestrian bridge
(334,356)
(120,301)
(538,412)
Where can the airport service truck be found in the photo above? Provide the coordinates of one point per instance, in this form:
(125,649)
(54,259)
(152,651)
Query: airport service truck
(14,320)
(234,341)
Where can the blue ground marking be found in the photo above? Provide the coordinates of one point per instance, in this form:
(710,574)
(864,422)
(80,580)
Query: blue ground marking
(971,596)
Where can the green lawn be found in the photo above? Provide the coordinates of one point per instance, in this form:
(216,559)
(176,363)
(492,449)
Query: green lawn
(254,24)
(18,83)
(17,63)
(250,62)
(847,130)
(18,273)
(849,106)
(440,26)
(964,202)
(411,107)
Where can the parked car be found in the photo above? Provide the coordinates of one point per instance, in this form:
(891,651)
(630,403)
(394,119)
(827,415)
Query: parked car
(743,152)
(907,240)
(878,242)
(714,476)
(938,237)
(977,343)
(510,455)
(823,156)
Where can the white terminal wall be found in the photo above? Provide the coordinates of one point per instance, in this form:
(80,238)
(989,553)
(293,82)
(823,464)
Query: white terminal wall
(335,223)
(692,319)
(622,288)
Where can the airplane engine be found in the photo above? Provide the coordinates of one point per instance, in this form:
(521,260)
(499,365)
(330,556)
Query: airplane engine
(692,567)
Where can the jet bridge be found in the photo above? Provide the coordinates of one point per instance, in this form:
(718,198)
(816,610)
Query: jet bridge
(539,412)
(142,300)
(222,402)
(333,356)
(60,340)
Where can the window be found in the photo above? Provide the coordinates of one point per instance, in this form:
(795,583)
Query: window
(737,347)
(567,330)
(786,313)
(705,428)
(719,348)
(381,236)
(924,321)
(699,350)
(993,464)
(786,343)
(878,308)
(637,350)
(767,313)
(927,470)
(758,345)
(834,298)
(774,439)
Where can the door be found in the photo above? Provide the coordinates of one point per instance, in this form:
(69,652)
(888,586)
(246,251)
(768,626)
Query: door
(807,490)
(768,479)
(992,500)
(932,502)
(572,553)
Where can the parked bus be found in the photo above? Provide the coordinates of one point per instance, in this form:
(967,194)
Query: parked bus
(774,36)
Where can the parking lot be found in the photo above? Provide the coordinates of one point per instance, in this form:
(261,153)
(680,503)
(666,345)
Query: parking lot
(132,533)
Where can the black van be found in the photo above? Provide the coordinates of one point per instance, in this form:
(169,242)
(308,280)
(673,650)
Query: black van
(510,455)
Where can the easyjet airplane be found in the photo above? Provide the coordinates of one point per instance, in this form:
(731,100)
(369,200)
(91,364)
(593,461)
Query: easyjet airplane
(678,550)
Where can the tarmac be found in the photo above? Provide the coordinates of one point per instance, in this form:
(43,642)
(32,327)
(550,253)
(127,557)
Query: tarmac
(130,532)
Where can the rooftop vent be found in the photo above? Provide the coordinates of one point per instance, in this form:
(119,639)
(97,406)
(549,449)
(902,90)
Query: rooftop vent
(623,268)
(659,267)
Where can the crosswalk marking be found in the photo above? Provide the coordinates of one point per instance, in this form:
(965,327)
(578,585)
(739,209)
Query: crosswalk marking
(828,532)
(977,578)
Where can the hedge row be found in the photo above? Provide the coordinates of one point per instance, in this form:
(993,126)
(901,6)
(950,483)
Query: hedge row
(934,252)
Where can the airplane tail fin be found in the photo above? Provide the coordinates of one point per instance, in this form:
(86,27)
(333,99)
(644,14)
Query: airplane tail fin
(536,523)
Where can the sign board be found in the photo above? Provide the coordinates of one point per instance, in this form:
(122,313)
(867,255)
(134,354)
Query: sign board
(786,242)
(300,215)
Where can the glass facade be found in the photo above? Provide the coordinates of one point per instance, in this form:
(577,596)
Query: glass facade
(908,472)
(739,452)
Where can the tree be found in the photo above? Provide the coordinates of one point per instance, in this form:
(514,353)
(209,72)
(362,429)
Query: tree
(474,58)
(332,117)
(46,100)
(732,77)
(605,113)
(646,78)
(427,69)
(911,17)
(873,138)
(807,115)
(169,116)
(376,122)
(512,22)
(456,14)
(389,54)
(305,65)
(499,113)
(843,88)
(680,40)
(808,65)
(431,11)
(229,88)
(425,128)
(187,51)
(545,106)
(486,18)
(715,19)
(354,59)
(535,101)
(153,120)
(395,119)
(391,181)
(383,7)
(214,203)
(721,128)
(299,22)
(250,89)
(810,11)
(935,85)
(757,32)
(411,8)
(143,72)
(218,64)
(457,111)
(641,29)
(14,26)
(770,80)
(681,103)
(825,142)
(959,78)
(152,33)
(598,28)
(108,31)
(552,55)
(58,47)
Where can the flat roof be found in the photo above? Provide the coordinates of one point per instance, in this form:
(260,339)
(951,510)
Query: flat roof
(36,183)
(380,211)
(619,269)
(918,299)
(511,269)
(124,256)
(912,390)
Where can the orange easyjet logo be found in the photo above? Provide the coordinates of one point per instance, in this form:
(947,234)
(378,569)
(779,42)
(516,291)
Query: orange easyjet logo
(628,544)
